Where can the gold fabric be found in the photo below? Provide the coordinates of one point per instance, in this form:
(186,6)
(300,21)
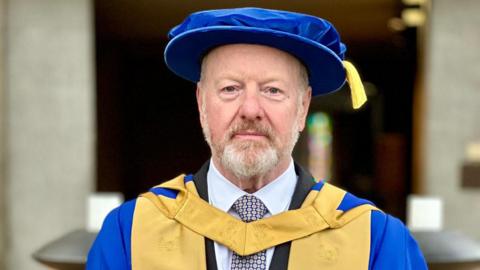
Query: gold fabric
(169,233)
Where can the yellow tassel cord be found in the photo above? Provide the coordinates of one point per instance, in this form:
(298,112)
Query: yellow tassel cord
(356,86)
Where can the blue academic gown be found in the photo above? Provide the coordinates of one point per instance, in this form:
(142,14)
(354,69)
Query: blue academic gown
(392,246)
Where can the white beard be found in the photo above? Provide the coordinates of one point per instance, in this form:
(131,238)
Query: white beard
(244,163)
(248,159)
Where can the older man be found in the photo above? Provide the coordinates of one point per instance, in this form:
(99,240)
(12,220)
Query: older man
(251,206)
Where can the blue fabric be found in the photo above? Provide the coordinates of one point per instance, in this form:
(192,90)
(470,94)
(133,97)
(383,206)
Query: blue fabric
(170,193)
(318,186)
(111,249)
(351,201)
(314,41)
(188,178)
(392,246)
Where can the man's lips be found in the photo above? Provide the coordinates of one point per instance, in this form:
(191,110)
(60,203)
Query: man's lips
(254,135)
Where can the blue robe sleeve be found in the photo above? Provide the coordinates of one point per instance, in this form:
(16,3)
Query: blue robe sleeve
(111,249)
(392,246)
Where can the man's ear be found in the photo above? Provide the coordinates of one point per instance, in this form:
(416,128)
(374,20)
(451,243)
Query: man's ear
(199,98)
(306,99)
(200,101)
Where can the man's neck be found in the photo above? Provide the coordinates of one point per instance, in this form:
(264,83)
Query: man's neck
(254,183)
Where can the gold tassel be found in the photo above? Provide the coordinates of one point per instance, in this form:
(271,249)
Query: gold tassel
(356,86)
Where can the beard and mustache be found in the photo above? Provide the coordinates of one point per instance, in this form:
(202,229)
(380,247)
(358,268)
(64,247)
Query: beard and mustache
(247,159)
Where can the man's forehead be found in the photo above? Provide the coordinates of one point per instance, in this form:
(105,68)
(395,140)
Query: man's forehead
(223,57)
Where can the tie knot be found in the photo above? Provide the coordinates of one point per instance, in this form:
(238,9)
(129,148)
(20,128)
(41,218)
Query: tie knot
(249,208)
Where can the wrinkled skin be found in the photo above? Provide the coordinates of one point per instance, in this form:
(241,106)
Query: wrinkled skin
(253,101)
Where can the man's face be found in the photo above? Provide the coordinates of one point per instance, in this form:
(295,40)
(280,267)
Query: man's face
(253,101)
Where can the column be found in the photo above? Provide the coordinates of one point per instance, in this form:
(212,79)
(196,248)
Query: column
(49,125)
(452,108)
(2,137)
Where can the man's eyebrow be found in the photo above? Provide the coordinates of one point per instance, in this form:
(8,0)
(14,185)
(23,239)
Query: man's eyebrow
(226,76)
(272,80)
(236,77)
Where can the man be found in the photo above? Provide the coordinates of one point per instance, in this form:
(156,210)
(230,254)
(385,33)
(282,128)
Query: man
(251,206)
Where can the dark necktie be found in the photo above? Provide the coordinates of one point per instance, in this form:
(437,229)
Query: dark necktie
(249,208)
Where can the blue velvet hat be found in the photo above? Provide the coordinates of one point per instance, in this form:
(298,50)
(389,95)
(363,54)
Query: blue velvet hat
(314,41)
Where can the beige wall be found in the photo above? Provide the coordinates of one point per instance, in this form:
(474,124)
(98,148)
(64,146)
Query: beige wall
(2,118)
(452,108)
(49,123)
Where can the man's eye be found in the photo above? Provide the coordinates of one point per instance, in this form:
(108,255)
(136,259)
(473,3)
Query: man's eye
(229,89)
(273,90)
(229,92)
(274,93)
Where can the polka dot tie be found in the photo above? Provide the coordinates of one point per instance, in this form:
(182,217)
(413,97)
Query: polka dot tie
(249,208)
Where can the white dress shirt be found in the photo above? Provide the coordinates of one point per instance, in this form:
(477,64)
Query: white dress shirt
(222,193)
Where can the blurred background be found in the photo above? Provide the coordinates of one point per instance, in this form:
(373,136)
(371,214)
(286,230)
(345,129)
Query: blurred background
(87,105)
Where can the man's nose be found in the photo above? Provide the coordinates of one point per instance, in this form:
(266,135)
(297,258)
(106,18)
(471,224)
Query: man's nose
(251,107)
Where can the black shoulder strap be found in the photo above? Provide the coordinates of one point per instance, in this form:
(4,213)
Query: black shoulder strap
(200,180)
(304,184)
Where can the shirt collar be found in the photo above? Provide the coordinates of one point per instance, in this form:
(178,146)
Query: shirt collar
(276,196)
